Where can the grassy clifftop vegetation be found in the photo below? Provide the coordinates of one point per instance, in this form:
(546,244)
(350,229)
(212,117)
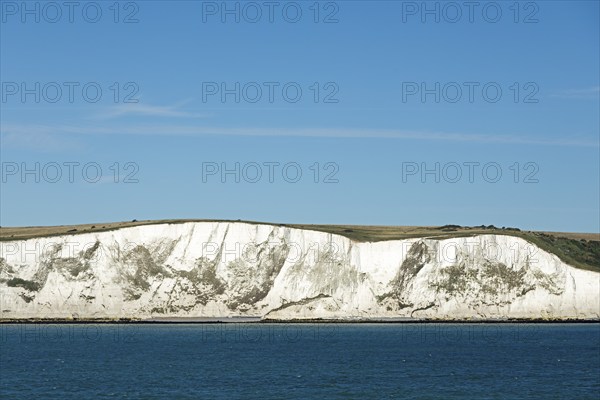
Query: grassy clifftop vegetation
(581,250)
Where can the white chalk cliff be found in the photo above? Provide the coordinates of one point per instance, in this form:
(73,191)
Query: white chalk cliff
(220,269)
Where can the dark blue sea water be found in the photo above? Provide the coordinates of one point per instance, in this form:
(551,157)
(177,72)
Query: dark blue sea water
(301,361)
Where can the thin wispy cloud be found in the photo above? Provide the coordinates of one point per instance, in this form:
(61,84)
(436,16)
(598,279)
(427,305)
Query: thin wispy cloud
(39,140)
(12,131)
(592,92)
(148,110)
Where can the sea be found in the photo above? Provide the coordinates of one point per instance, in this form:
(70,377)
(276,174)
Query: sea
(300,361)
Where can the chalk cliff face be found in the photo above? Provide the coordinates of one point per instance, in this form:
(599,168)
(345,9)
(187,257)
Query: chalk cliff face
(210,269)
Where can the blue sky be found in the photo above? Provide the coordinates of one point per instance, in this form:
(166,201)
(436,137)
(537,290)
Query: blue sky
(380,97)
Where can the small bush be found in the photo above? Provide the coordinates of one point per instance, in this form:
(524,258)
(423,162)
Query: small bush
(25,284)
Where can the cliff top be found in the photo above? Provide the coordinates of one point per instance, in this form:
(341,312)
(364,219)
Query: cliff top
(578,249)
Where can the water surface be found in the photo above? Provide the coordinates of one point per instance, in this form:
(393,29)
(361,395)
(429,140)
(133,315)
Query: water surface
(301,361)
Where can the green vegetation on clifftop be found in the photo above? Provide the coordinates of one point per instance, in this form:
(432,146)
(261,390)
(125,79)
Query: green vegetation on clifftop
(580,250)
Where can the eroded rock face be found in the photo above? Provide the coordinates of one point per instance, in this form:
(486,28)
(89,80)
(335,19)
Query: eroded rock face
(210,269)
